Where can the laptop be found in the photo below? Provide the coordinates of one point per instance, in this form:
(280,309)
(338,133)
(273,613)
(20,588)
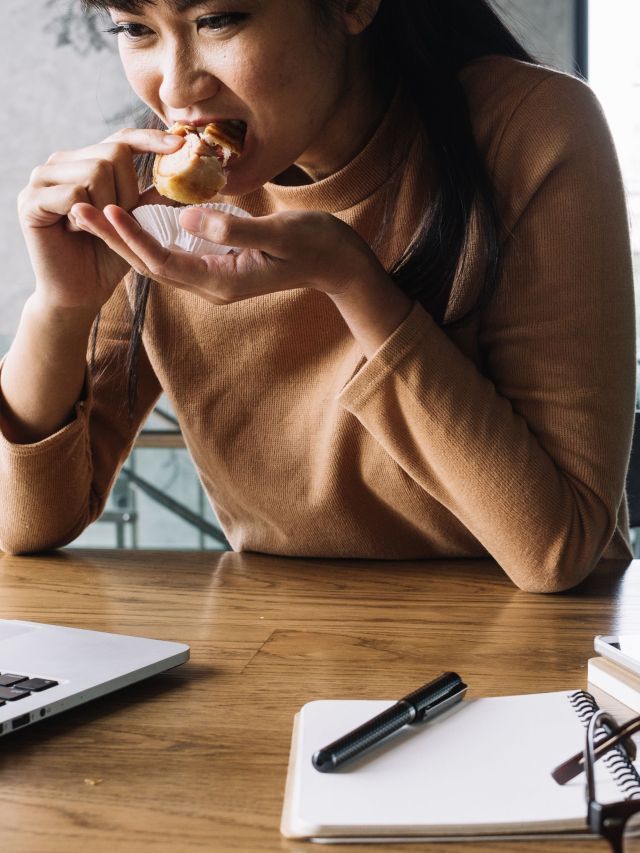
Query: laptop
(45,669)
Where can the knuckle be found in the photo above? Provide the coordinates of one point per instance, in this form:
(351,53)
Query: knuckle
(114,152)
(57,157)
(77,194)
(223,230)
(157,266)
(35,176)
(100,171)
(290,219)
(117,137)
(24,198)
(224,235)
(142,269)
(309,225)
(119,150)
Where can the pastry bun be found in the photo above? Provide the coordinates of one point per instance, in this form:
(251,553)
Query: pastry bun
(195,173)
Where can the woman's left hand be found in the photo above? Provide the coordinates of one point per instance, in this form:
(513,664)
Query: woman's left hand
(278,252)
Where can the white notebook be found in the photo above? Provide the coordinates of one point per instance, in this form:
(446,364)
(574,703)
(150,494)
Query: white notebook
(483,768)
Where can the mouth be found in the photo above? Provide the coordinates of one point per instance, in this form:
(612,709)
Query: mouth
(231,132)
(238,125)
(238,130)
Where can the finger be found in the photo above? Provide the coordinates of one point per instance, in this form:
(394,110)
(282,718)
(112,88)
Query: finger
(96,177)
(265,233)
(159,263)
(92,220)
(47,205)
(216,278)
(125,178)
(142,140)
(129,140)
(118,157)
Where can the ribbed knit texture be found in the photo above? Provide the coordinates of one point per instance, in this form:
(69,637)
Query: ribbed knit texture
(508,437)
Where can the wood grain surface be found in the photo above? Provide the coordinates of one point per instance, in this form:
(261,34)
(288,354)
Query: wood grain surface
(195,759)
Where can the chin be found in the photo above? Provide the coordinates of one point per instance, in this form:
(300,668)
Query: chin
(239,185)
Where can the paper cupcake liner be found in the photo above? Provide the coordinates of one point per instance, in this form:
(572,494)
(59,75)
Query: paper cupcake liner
(162,222)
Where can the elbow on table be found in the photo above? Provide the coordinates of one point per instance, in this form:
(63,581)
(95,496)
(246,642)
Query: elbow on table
(22,542)
(556,577)
(562,559)
(22,548)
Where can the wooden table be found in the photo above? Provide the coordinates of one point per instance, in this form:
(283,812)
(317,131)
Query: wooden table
(195,759)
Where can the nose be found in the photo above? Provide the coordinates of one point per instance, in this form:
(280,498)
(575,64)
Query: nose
(185,80)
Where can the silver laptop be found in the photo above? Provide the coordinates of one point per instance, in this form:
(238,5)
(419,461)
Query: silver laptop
(45,669)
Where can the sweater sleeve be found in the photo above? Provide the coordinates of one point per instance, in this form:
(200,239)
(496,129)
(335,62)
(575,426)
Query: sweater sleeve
(530,450)
(51,490)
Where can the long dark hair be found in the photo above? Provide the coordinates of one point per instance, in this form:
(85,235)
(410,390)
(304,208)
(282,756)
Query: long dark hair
(423,46)
(429,43)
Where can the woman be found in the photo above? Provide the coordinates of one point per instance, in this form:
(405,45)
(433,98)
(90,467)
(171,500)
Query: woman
(424,347)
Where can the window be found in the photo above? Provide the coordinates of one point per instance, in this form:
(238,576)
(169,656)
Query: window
(614,75)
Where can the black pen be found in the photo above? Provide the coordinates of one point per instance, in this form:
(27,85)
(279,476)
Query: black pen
(423,704)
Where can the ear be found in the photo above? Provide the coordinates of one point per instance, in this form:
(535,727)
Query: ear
(358,14)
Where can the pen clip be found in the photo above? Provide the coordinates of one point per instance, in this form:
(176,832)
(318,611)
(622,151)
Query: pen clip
(442,703)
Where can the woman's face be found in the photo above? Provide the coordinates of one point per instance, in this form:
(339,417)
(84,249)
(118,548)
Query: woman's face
(257,61)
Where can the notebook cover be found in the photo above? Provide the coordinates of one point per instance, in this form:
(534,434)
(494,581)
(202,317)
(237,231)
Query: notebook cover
(481,769)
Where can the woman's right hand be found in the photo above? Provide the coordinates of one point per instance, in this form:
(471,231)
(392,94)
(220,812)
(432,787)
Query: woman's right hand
(75,271)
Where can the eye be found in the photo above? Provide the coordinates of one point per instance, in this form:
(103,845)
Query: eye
(219,22)
(131,31)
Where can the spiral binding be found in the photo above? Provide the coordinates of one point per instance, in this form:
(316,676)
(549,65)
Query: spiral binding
(584,705)
(622,770)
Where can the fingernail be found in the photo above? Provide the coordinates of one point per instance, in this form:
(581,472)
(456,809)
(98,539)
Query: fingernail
(79,221)
(192,220)
(170,140)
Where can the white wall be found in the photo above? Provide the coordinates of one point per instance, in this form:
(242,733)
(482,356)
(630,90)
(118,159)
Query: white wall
(545,26)
(68,94)
(54,97)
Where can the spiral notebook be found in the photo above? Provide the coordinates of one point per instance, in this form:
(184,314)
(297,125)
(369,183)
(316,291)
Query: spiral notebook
(480,770)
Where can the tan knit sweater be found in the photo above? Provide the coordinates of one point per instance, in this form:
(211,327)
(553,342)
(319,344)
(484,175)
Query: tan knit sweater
(508,438)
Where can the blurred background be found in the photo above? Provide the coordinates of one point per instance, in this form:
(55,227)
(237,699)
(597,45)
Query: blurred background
(63,87)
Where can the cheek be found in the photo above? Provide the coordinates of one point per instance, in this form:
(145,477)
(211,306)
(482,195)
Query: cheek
(141,77)
(290,86)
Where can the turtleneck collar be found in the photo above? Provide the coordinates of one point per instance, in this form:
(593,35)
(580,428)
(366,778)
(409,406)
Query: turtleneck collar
(358,179)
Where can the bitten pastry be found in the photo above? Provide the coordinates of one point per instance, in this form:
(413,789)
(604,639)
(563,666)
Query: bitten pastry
(196,172)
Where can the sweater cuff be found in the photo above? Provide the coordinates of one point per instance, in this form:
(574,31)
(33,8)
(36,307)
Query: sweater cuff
(385,360)
(51,442)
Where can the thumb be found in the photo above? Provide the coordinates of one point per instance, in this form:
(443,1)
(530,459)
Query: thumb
(193,220)
(245,232)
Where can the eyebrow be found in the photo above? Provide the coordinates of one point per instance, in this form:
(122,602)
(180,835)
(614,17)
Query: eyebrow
(134,7)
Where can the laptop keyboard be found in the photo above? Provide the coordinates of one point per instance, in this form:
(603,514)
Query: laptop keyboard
(13,686)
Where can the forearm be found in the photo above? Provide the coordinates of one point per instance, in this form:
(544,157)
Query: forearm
(373,307)
(44,371)
(539,486)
